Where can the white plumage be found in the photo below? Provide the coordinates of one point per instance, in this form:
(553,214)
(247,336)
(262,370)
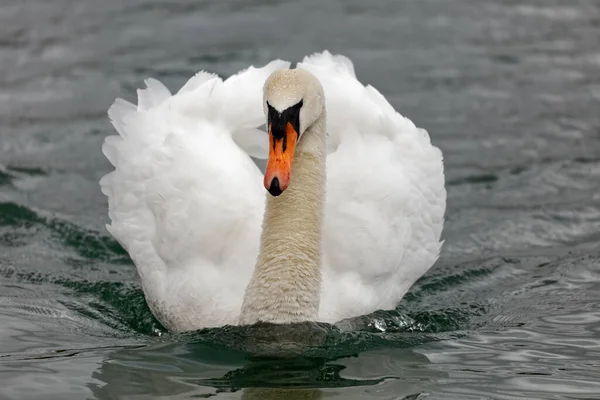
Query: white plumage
(186,200)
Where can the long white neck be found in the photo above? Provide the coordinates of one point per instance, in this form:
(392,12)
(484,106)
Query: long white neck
(286,284)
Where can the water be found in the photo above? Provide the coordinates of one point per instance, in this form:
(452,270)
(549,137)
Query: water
(510,90)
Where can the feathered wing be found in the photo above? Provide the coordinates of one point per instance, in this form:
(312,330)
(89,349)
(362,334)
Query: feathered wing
(185,200)
(385,196)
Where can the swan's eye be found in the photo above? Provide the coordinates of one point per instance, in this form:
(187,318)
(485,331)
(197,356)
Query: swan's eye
(279,120)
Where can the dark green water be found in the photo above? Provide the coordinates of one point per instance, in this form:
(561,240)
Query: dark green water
(509,90)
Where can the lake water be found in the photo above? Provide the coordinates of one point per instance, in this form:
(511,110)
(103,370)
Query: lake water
(509,90)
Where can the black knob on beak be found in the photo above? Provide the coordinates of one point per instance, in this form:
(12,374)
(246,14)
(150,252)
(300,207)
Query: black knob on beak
(274,189)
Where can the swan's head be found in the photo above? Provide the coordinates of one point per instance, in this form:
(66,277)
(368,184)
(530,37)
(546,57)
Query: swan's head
(293,101)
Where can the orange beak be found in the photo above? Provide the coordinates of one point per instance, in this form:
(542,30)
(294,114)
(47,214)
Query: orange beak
(281,156)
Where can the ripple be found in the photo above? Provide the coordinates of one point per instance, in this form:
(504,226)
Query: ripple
(552,385)
(549,12)
(88,244)
(474,179)
(509,92)
(119,305)
(310,339)
(582,318)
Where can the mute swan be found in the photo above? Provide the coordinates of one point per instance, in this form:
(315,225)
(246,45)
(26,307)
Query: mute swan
(356,221)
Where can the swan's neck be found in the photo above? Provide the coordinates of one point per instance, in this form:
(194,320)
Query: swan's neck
(286,284)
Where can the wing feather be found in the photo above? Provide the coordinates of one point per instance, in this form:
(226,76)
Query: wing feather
(185,200)
(385,196)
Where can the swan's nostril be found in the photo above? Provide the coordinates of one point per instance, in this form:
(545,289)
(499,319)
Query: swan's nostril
(275,189)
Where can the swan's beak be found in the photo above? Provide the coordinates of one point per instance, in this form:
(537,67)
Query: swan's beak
(281,156)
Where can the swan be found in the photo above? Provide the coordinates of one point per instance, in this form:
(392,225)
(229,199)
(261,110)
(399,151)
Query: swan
(351,216)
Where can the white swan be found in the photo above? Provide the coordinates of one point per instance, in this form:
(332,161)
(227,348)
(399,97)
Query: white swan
(359,223)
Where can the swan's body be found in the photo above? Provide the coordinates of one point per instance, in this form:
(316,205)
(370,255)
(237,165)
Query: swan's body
(187,202)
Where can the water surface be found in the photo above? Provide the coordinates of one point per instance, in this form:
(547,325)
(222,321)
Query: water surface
(509,90)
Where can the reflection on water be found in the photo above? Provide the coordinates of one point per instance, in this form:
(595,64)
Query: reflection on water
(275,393)
(188,370)
(509,90)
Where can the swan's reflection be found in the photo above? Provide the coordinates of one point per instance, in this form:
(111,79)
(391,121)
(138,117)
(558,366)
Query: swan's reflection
(217,362)
(184,371)
(275,393)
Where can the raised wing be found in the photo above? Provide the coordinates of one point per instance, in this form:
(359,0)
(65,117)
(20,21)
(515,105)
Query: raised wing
(385,196)
(185,200)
